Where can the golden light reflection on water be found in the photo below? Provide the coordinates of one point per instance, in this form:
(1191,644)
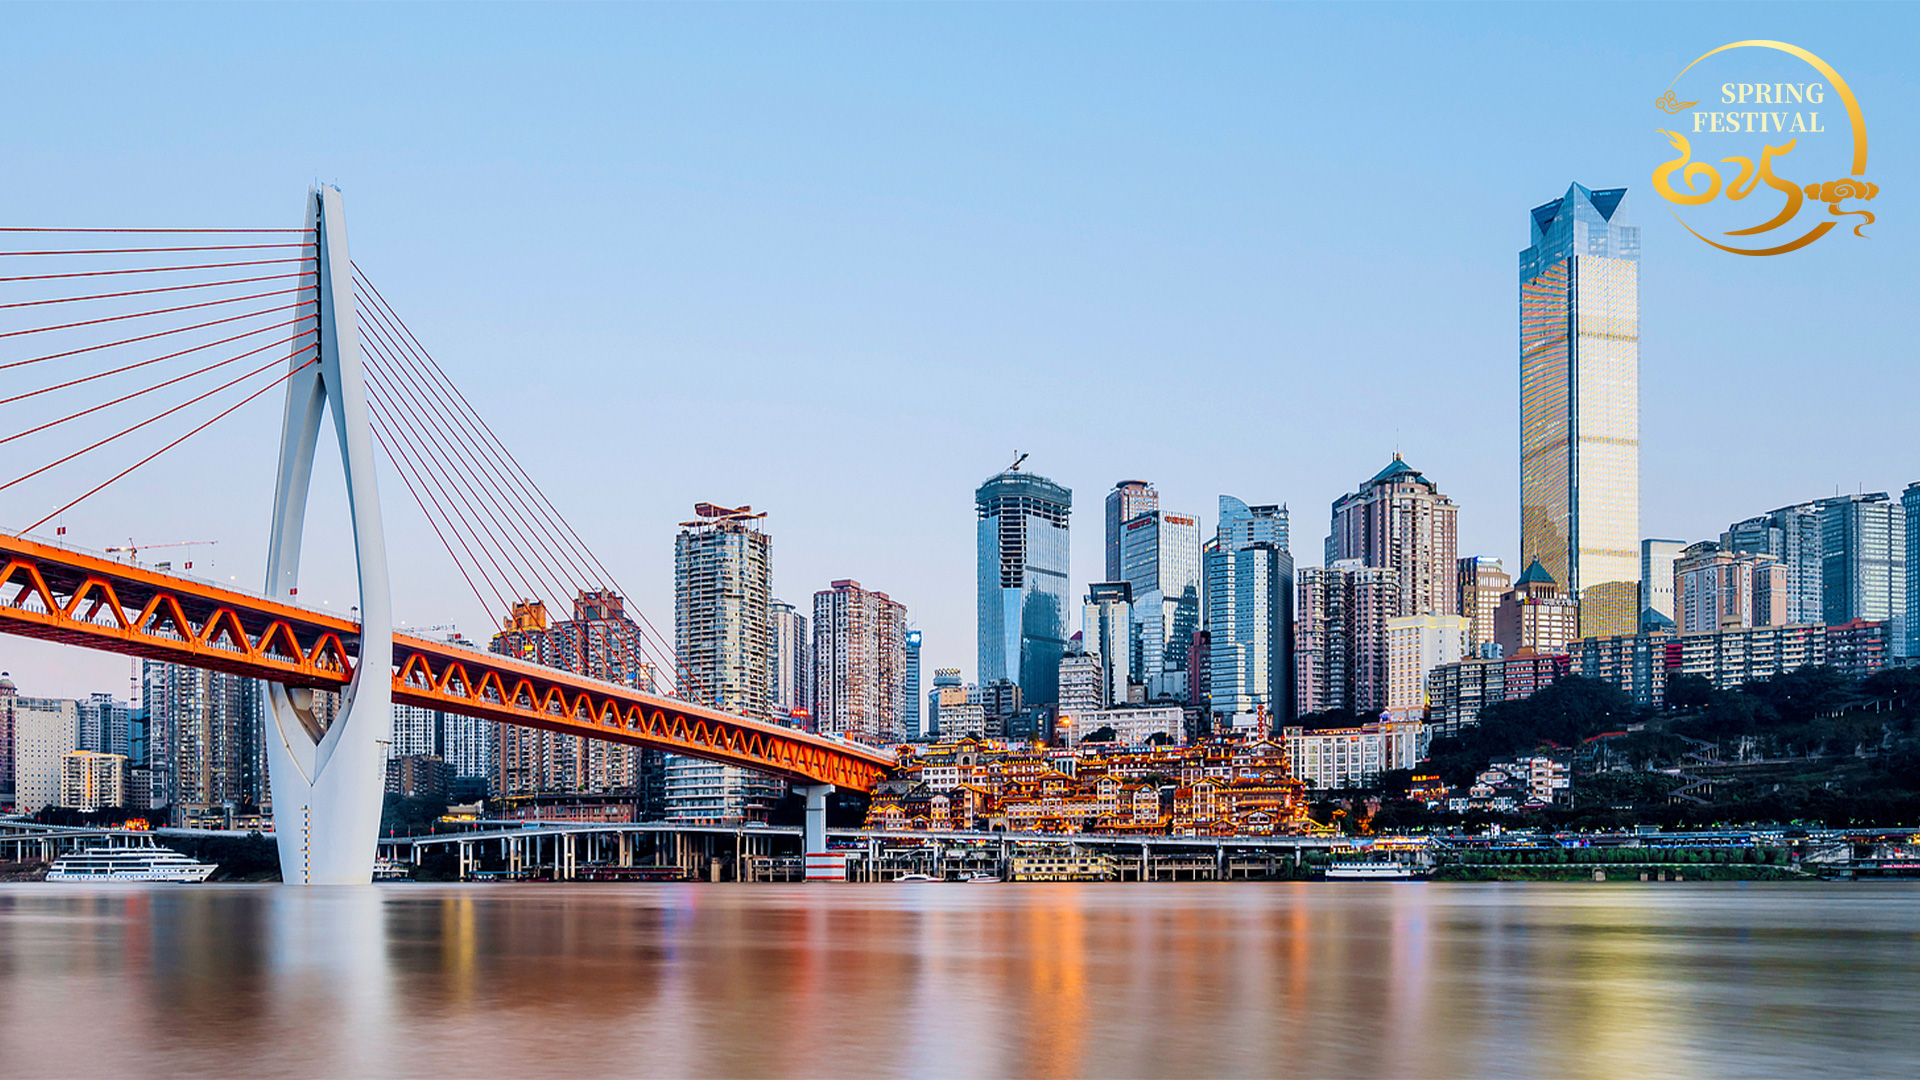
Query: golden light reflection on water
(962,980)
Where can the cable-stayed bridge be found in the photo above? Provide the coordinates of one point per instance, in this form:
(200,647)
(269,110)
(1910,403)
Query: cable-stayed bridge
(102,334)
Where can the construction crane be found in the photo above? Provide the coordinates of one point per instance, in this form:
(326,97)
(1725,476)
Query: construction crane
(1015,467)
(132,550)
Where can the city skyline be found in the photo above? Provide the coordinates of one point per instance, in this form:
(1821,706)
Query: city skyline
(1712,324)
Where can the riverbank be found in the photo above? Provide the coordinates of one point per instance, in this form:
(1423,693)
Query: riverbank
(1616,873)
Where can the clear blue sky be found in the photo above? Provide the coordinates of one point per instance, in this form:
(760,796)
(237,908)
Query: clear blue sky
(840,262)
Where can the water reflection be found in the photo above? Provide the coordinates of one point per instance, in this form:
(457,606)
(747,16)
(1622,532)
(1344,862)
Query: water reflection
(1042,980)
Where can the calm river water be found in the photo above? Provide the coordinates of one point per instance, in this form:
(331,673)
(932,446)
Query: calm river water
(962,980)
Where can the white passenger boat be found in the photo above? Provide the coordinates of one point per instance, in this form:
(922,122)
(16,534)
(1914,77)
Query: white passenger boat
(1371,870)
(146,862)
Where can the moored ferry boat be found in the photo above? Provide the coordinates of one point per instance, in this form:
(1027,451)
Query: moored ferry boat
(1371,870)
(140,863)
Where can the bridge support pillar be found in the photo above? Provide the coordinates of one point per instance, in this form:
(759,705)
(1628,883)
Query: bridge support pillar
(328,775)
(821,864)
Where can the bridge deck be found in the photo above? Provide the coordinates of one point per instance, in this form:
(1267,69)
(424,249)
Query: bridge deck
(57,593)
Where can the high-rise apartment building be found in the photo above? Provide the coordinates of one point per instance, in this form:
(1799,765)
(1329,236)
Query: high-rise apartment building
(207,728)
(1400,520)
(1106,632)
(1910,505)
(599,641)
(1865,563)
(859,664)
(791,667)
(1416,644)
(910,722)
(1482,580)
(1249,616)
(106,726)
(93,781)
(952,711)
(1128,500)
(1579,390)
(1536,615)
(9,699)
(1160,560)
(723,595)
(44,732)
(1340,637)
(1023,581)
(1716,589)
(1656,579)
(1793,535)
(1083,690)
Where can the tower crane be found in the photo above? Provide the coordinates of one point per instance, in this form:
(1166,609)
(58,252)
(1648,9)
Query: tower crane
(132,550)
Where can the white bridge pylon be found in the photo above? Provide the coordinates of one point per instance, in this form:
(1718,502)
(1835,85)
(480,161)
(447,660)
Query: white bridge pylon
(328,781)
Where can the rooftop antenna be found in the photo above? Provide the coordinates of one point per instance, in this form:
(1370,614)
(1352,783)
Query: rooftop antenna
(1015,467)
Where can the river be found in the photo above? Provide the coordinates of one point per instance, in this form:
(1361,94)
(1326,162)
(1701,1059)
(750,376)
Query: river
(1375,979)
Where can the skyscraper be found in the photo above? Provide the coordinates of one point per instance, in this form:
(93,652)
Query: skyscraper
(1910,503)
(1865,563)
(1791,534)
(859,664)
(1249,616)
(1399,520)
(207,724)
(1482,581)
(722,598)
(1340,651)
(1579,391)
(1715,589)
(1128,500)
(910,722)
(791,666)
(1160,560)
(1536,615)
(1023,581)
(1106,631)
(1656,579)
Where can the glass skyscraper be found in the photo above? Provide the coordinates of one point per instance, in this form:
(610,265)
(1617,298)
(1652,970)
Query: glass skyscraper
(1865,563)
(1160,559)
(1579,391)
(1249,615)
(1023,582)
(1128,500)
(1910,503)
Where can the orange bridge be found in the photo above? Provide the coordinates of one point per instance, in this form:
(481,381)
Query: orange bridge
(55,593)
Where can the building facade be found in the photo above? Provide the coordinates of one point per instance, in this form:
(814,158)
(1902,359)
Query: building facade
(1536,615)
(45,731)
(1716,589)
(723,596)
(1106,632)
(1399,520)
(1456,693)
(1864,562)
(1635,664)
(1794,536)
(1083,689)
(1023,573)
(1729,658)
(1580,390)
(1482,581)
(1249,617)
(599,641)
(207,727)
(1160,561)
(859,664)
(791,665)
(1656,580)
(93,781)
(1340,637)
(1416,644)
(911,721)
(1128,500)
(1353,757)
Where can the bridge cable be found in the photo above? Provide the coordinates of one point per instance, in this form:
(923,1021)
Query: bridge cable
(218,416)
(683,671)
(415,471)
(157,334)
(155,269)
(157,359)
(498,458)
(157,386)
(141,424)
(155,250)
(387,449)
(150,314)
(160,289)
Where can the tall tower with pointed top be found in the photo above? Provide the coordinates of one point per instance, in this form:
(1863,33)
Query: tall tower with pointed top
(1580,391)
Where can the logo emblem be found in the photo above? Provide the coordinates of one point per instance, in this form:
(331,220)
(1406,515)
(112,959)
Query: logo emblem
(1791,110)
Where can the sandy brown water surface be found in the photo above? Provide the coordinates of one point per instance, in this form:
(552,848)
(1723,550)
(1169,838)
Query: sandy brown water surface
(962,980)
